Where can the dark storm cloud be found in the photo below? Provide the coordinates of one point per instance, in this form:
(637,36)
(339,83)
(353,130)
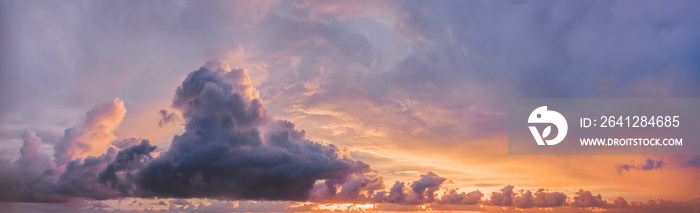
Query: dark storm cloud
(649,164)
(223,154)
(80,178)
(127,160)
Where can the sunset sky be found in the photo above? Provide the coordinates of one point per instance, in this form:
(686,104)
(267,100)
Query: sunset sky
(264,105)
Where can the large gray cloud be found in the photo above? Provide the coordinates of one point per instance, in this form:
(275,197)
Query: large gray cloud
(223,153)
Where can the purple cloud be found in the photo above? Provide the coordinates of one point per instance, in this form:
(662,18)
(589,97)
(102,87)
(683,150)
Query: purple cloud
(649,164)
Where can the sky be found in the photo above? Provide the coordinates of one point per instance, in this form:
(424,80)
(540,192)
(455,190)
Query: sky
(323,105)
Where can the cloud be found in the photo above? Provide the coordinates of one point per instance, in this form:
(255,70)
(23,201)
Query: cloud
(451,196)
(526,199)
(396,193)
(230,149)
(80,154)
(419,192)
(181,202)
(352,189)
(540,198)
(32,162)
(586,199)
(424,188)
(100,205)
(166,117)
(93,136)
(125,143)
(224,154)
(620,202)
(693,161)
(118,173)
(649,164)
(549,199)
(492,39)
(423,191)
(17,180)
(504,197)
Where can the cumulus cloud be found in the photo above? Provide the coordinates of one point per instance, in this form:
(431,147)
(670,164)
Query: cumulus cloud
(224,154)
(32,163)
(16,179)
(526,199)
(396,194)
(424,188)
(620,202)
(418,192)
(35,177)
(451,196)
(352,190)
(504,197)
(231,149)
(649,164)
(586,199)
(549,199)
(540,198)
(118,173)
(93,136)
(423,191)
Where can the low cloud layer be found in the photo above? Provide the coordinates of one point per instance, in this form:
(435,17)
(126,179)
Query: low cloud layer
(526,199)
